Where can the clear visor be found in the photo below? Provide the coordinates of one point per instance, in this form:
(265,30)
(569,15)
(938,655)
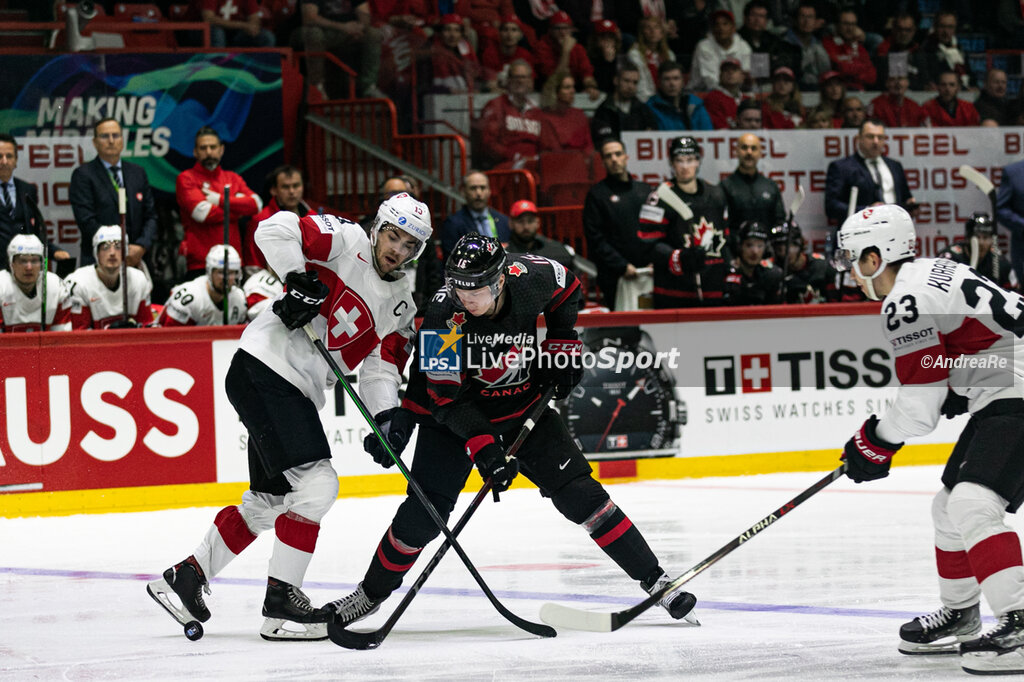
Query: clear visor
(474,299)
(843,260)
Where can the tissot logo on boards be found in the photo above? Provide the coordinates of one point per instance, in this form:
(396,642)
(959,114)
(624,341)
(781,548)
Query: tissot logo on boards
(815,370)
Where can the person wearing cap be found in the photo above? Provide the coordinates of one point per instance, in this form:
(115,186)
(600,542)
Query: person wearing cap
(848,54)
(508,129)
(558,50)
(749,194)
(894,108)
(979,250)
(879,179)
(833,92)
(496,56)
(762,41)
(722,102)
(475,216)
(605,52)
(814,59)
(649,52)
(454,68)
(755,280)
(782,108)
(722,42)
(675,108)
(622,110)
(524,223)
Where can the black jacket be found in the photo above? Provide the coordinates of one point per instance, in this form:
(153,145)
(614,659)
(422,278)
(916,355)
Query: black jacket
(610,121)
(852,170)
(753,198)
(93,198)
(611,220)
(25,219)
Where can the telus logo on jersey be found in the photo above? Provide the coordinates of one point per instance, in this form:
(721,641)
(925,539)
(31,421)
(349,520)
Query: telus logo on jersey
(759,372)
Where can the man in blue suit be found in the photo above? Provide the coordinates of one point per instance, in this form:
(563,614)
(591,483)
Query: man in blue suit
(475,217)
(93,195)
(879,180)
(1010,213)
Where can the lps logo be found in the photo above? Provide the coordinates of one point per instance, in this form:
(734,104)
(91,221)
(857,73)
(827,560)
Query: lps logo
(755,374)
(441,350)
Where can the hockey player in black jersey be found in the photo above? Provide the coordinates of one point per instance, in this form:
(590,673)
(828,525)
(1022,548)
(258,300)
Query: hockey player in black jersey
(758,280)
(807,276)
(491,304)
(979,250)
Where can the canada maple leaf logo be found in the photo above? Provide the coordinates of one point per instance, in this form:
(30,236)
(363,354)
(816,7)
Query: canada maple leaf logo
(457,320)
(509,370)
(516,269)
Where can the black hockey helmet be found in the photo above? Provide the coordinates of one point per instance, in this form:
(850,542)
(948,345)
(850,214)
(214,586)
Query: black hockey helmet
(475,262)
(788,231)
(685,145)
(751,229)
(979,224)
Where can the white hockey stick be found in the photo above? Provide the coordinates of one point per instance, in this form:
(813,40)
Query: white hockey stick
(666,194)
(798,201)
(977,179)
(852,208)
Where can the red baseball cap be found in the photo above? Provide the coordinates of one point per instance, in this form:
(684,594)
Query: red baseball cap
(605,26)
(560,19)
(451,19)
(511,19)
(522,206)
(723,13)
(829,75)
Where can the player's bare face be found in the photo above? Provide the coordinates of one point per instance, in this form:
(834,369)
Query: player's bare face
(26,269)
(208,151)
(614,157)
(109,141)
(217,280)
(394,247)
(751,252)
(685,167)
(477,302)
(108,256)
(8,161)
(288,191)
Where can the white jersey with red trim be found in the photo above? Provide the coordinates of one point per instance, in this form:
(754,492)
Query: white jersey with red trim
(20,313)
(190,305)
(94,306)
(260,291)
(365,319)
(949,327)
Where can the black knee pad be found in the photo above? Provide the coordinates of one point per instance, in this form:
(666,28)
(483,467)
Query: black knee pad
(413,525)
(578,498)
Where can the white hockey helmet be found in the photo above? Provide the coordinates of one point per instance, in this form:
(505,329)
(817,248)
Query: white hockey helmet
(106,233)
(24,245)
(215,259)
(407,214)
(887,228)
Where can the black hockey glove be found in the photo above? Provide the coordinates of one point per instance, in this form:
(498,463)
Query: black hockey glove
(867,456)
(689,260)
(490,461)
(396,425)
(562,366)
(124,324)
(302,300)
(954,405)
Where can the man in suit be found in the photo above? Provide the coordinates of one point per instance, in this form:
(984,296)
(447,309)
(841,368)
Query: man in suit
(1010,213)
(475,216)
(19,213)
(879,180)
(93,195)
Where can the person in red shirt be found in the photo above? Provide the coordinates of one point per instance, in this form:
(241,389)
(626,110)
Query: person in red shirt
(782,108)
(200,193)
(497,56)
(486,17)
(286,189)
(894,108)
(563,126)
(947,109)
(558,51)
(509,126)
(453,64)
(848,54)
(722,102)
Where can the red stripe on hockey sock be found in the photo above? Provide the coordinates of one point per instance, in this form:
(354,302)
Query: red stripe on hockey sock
(390,565)
(297,532)
(615,533)
(233,531)
(953,565)
(993,554)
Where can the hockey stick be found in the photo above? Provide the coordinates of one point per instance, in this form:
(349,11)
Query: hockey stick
(351,639)
(666,194)
(37,217)
(227,242)
(122,208)
(852,207)
(533,628)
(576,619)
(794,206)
(979,180)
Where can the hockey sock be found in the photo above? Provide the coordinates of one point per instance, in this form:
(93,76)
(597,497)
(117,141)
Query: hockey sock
(958,588)
(293,547)
(390,563)
(225,540)
(614,533)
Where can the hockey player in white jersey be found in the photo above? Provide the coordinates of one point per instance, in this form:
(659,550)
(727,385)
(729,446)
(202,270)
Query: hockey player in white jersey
(200,302)
(260,290)
(21,290)
(96,298)
(956,338)
(349,288)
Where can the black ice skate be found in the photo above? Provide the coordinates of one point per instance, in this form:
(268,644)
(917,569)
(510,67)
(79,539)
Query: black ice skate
(285,602)
(188,582)
(353,607)
(1000,651)
(679,604)
(940,631)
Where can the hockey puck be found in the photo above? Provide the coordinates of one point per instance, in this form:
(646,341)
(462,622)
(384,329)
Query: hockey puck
(194,630)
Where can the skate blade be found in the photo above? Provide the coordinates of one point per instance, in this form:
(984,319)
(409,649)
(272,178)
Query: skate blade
(691,619)
(160,591)
(992,663)
(944,647)
(274,630)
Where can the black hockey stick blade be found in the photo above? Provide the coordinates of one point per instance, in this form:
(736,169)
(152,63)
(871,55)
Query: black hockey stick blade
(592,621)
(371,639)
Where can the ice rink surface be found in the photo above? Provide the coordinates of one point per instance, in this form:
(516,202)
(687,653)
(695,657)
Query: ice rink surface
(819,595)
